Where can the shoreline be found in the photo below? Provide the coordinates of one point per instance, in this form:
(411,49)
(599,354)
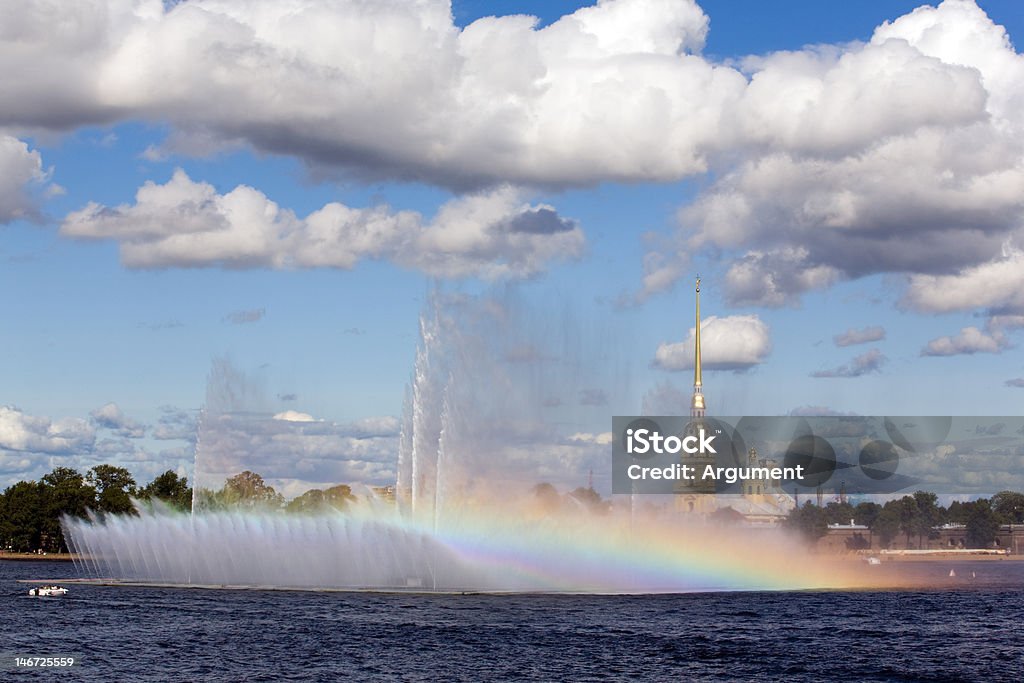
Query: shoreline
(885,557)
(28,557)
(938,556)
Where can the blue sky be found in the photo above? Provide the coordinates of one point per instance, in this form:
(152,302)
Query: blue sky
(591,164)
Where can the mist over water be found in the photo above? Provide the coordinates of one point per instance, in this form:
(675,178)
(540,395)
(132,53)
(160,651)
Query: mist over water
(501,398)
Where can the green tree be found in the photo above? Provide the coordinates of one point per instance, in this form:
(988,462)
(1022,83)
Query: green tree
(857,542)
(547,497)
(5,525)
(958,512)
(919,514)
(24,514)
(171,489)
(928,516)
(64,491)
(591,499)
(887,524)
(310,502)
(982,524)
(1009,506)
(114,487)
(810,521)
(839,513)
(906,507)
(316,501)
(866,513)
(248,490)
(339,497)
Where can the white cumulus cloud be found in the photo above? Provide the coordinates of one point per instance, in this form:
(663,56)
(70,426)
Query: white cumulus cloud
(970,340)
(22,432)
(866,363)
(901,155)
(614,91)
(854,336)
(729,343)
(995,284)
(21,169)
(110,416)
(184,223)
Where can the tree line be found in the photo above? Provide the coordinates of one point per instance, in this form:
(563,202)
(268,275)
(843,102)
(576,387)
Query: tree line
(30,511)
(913,519)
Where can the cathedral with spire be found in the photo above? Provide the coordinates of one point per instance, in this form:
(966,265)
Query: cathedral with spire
(760,501)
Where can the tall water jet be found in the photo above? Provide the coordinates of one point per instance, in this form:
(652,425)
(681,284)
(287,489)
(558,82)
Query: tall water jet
(427,389)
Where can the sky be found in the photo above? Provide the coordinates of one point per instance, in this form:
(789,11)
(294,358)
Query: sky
(283,188)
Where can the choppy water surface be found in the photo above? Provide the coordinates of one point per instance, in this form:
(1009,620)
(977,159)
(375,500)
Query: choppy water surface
(970,630)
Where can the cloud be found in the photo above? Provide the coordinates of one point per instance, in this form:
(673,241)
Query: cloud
(184,223)
(497,100)
(971,340)
(730,343)
(990,430)
(593,397)
(665,399)
(617,91)
(1000,323)
(175,423)
(37,434)
(294,416)
(904,154)
(1016,382)
(243,317)
(367,427)
(846,162)
(996,284)
(21,170)
(296,447)
(865,363)
(288,397)
(602,439)
(111,417)
(853,336)
(818,411)
(770,278)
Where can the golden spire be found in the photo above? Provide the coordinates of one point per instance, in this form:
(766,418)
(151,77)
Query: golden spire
(697,405)
(696,360)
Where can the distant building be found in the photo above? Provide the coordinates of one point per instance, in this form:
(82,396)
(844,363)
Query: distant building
(384,493)
(852,537)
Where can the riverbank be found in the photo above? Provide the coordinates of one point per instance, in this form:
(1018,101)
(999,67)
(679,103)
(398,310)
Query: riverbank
(33,557)
(934,556)
(950,558)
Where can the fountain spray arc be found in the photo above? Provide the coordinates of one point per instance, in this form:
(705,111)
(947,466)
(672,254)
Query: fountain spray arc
(487,411)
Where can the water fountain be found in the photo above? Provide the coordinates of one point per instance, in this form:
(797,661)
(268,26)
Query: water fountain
(487,399)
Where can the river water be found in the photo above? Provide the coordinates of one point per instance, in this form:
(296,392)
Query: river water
(968,630)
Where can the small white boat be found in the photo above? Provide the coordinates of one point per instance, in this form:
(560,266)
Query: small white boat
(47,591)
(874,561)
(952,572)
